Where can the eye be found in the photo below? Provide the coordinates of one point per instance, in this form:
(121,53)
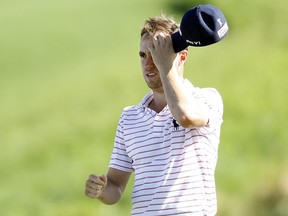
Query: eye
(142,54)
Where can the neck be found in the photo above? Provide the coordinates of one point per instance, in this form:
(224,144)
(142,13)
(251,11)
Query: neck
(158,103)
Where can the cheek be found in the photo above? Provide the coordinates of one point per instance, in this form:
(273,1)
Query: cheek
(142,63)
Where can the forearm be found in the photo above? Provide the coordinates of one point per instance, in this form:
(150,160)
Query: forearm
(111,194)
(183,106)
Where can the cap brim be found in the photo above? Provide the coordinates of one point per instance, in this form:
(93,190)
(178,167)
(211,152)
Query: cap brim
(179,43)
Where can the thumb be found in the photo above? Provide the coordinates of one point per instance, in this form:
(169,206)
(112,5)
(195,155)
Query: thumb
(104,179)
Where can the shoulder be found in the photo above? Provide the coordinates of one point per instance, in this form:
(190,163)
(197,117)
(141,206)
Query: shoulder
(131,112)
(210,94)
(130,108)
(211,98)
(140,107)
(213,92)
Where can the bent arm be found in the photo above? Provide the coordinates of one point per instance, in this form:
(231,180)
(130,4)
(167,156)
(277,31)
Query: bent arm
(116,184)
(187,110)
(184,107)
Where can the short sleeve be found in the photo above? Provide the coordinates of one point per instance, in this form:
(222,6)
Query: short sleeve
(119,158)
(213,104)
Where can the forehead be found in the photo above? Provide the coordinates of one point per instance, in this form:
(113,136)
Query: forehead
(145,41)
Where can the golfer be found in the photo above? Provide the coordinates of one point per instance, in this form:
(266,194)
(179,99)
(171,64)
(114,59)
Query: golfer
(169,140)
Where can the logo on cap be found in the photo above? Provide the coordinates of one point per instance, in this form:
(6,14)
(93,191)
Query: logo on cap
(222,31)
(219,21)
(198,43)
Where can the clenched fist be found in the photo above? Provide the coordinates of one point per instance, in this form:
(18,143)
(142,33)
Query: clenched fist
(95,185)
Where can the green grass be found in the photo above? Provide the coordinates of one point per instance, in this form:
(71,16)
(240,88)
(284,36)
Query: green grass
(67,70)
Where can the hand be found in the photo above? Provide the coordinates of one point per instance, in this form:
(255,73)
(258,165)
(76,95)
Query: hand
(162,52)
(95,185)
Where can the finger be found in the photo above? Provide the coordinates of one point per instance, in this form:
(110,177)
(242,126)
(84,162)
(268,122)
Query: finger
(161,38)
(156,41)
(91,184)
(161,34)
(155,38)
(90,195)
(166,39)
(169,40)
(96,179)
(88,192)
(104,179)
(92,192)
(93,177)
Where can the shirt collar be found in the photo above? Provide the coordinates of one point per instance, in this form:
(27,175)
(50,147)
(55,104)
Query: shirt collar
(149,96)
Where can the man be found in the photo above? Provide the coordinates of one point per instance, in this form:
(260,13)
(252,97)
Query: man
(170,139)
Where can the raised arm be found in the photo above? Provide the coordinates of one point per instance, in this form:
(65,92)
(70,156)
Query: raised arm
(184,107)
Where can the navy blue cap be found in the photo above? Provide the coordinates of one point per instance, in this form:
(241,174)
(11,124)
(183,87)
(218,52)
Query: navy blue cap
(201,25)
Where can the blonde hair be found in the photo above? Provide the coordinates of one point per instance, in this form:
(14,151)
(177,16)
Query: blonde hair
(160,23)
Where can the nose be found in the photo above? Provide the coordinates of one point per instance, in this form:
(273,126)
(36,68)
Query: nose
(149,62)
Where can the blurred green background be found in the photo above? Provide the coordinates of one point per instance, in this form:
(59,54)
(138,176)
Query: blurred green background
(69,67)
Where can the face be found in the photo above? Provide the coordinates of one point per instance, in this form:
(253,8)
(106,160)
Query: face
(149,70)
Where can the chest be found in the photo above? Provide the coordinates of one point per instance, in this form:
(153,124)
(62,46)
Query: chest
(150,138)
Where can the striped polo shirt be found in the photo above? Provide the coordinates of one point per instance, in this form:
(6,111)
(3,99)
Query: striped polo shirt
(174,166)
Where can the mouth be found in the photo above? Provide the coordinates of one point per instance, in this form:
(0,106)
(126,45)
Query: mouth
(151,74)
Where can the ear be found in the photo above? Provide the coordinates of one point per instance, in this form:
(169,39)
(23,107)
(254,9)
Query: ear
(183,55)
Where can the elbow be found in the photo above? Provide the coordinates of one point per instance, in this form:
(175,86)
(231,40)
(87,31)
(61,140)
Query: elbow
(112,195)
(109,202)
(113,199)
(188,121)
